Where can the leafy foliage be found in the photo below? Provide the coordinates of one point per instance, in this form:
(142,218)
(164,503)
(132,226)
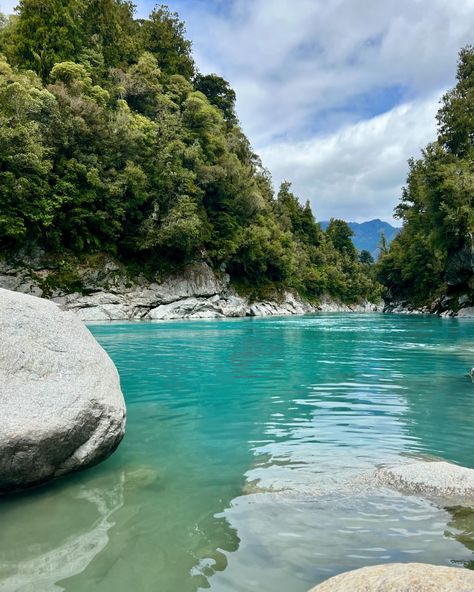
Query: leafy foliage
(435,246)
(366,257)
(112,142)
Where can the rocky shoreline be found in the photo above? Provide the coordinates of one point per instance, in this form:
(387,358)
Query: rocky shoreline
(463,309)
(196,292)
(107,293)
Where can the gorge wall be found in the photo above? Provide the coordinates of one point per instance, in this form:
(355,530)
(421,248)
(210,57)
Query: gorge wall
(107,293)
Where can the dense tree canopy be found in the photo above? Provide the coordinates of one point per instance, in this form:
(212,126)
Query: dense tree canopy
(112,142)
(434,252)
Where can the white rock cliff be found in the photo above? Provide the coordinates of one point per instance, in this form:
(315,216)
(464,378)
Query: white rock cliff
(195,292)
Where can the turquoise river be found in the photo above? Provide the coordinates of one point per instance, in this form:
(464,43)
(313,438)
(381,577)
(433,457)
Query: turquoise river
(248,458)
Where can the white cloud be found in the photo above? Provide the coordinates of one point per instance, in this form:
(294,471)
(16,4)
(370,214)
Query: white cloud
(291,62)
(357,172)
(7,6)
(311,74)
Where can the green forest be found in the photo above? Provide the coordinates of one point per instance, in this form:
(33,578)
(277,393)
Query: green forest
(112,142)
(433,256)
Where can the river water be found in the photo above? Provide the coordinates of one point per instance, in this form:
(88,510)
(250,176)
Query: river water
(248,458)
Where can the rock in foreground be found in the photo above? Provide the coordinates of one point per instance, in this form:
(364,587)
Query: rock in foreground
(61,406)
(401,577)
(431,479)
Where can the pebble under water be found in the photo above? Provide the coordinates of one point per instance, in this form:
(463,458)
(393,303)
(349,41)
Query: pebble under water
(247,460)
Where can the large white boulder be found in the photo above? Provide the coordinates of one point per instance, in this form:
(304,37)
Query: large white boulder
(61,407)
(401,577)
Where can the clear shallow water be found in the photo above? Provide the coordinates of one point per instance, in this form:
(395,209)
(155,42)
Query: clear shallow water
(223,416)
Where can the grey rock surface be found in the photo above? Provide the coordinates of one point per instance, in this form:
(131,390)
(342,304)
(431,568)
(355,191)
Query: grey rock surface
(331,306)
(401,577)
(61,406)
(445,307)
(438,479)
(467,312)
(195,292)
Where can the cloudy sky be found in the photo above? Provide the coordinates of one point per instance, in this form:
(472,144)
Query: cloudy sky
(335,95)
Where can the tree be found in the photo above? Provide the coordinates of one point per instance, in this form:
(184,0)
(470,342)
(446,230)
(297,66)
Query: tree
(456,115)
(111,31)
(25,158)
(163,35)
(340,234)
(219,93)
(3,21)
(265,253)
(295,217)
(434,248)
(365,257)
(140,85)
(45,32)
(181,231)
(383,246)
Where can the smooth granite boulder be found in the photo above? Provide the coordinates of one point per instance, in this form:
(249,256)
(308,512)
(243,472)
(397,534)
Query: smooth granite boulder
(437,479)
(401,577)
(61,407)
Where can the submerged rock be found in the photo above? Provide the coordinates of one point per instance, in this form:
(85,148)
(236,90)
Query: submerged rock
(140,477)
(401,577)
(437,479)
(61,406)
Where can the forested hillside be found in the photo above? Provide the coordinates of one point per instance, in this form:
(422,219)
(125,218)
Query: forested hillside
(433,256)
(112,141)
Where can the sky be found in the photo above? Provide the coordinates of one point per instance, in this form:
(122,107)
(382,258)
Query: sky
(334,95)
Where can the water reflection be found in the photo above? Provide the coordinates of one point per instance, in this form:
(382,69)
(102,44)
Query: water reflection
(91,533)
(65,533)
(461,528)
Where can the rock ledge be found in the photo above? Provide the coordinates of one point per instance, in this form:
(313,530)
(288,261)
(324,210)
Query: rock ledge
(438,479)
(401,577)
(195,292)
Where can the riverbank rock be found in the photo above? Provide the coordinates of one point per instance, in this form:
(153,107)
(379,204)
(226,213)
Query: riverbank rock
(401,577)
(196,291)
(445,306)
(327,305)
(436,479)
(61,406)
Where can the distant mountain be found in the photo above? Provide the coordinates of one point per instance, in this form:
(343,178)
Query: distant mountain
(367,234)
